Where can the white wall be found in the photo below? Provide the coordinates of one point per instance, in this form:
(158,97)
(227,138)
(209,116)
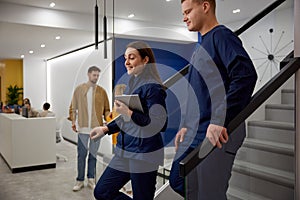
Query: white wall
(259,42)
(34,81)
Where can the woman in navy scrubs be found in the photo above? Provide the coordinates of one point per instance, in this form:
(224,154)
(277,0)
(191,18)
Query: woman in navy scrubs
(139,149)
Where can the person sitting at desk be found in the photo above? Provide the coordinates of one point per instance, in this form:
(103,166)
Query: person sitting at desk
(31,112)
(46,112)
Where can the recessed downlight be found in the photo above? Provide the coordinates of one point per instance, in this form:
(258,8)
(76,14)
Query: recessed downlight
(22,56)
(131,15)
(235,11)
(43,45)
(52,4)
(57,37)
(31,52)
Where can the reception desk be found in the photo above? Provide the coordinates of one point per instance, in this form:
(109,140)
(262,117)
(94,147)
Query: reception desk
(27,143)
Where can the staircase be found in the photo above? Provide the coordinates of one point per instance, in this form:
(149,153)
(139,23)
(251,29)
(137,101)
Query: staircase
(264,166)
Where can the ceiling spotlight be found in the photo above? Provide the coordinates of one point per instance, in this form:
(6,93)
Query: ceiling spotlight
(31,52)
(43,45)
(236,11)
(57,37)
(52,4)
(168,0)
(22,56)
(131,15)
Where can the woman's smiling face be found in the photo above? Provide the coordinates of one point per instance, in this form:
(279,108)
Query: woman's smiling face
(134,63)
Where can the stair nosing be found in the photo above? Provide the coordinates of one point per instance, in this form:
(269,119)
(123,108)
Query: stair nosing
(273,124)
(265,173)
(232,191)
(288,91)
(281,106)
(270,146)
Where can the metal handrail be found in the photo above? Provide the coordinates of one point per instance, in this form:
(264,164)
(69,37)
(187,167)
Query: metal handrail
(203,150)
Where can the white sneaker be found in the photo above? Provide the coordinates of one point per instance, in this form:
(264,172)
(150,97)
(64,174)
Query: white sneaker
(78,186)
(91,183)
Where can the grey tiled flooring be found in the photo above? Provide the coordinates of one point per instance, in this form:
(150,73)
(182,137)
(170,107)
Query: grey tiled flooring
(48,184)
(54,184)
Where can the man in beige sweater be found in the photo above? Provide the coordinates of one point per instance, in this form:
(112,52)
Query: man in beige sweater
(88,107)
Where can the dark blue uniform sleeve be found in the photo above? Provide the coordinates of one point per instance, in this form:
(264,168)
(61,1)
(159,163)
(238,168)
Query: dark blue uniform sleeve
(113,126)
(241,75)
(242,82)
(155,113)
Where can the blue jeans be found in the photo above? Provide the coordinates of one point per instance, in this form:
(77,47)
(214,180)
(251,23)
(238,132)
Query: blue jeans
(119,172)
(85,144)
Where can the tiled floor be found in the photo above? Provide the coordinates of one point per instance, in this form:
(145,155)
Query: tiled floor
(49,184)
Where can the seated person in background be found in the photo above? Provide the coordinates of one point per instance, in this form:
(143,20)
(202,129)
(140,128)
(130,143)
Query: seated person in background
(31,112)
(25,101)
(46,112)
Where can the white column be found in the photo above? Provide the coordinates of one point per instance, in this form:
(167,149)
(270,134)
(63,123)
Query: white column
(297,98)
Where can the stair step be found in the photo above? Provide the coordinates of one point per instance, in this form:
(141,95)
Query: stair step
(280,112)
(287,96)
(264,181)
(266,153)
(234,193)
(273,131)
(275,147)
(270,174)
(261,187)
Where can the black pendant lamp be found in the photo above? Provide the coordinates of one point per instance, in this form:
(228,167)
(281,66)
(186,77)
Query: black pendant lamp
(96,26)
(105,31)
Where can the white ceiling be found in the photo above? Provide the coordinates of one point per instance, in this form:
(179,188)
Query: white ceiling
(19,36)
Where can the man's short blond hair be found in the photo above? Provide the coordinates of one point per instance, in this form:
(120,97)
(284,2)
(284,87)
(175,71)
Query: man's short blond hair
(211,2)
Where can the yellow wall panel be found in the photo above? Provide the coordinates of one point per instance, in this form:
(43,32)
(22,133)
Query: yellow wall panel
(11,72)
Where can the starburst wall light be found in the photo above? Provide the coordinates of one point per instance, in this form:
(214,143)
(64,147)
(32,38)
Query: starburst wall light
(271,55)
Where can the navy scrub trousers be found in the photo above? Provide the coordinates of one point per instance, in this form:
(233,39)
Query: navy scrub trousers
(216,168)
(122,170)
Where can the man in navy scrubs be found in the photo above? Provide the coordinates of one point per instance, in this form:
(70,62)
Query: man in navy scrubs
(221,81)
